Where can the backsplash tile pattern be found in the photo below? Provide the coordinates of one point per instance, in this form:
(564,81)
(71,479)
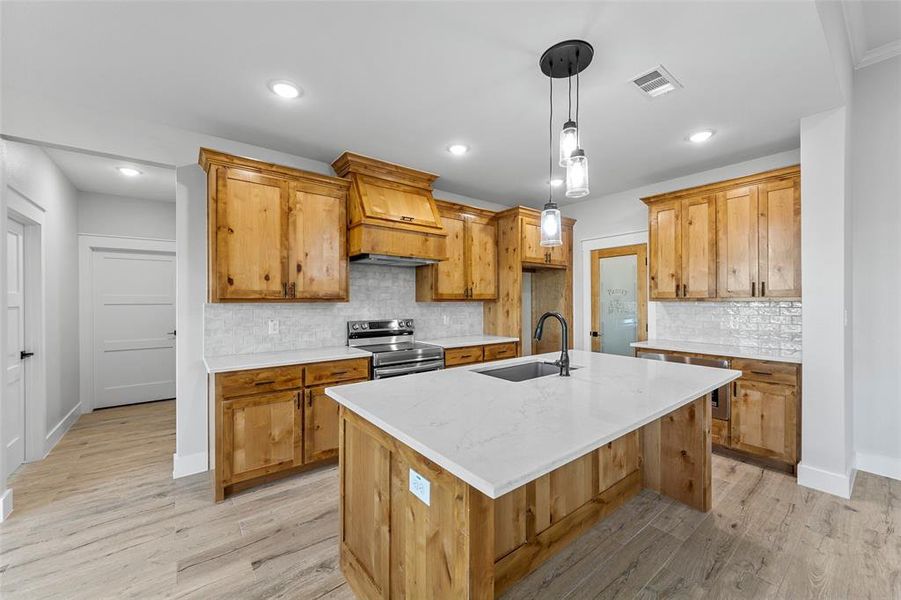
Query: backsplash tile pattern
(770,324)
(376,292)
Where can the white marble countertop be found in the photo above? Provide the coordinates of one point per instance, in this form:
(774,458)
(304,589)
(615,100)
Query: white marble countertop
(239,362)
(462,341)
(497,435)
(722,350)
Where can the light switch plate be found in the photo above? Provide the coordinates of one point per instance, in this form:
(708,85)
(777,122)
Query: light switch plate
(420,487)
(273,326)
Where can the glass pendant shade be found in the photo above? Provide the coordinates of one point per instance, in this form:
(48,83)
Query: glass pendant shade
(569,141)
(577,175)
(551,226)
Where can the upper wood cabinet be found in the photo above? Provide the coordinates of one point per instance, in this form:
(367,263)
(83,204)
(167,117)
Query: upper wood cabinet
(274,233)
(533,253)
(470,270)
(734,239)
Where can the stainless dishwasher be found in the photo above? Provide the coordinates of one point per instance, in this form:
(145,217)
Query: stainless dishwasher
(719,398)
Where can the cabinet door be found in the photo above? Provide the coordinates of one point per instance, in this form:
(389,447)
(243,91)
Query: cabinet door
(699,247)
(450,280)
(391,201)
(260,435)
(561,255)
(531,248)
(764,419)
(481,260)
(665,249)
(251,235)
(320,425)
(317,248)
(736,248)
(779,238)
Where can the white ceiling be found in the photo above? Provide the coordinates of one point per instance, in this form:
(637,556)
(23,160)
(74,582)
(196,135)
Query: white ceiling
(400,81)
(99,174)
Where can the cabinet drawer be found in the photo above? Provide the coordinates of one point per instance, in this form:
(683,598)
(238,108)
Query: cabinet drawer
(455,357)
(333,372)
(255,381)
(499,351)
(767,371)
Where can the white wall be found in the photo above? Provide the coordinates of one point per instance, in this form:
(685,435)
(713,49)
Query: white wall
(876,242)
(624,212)
(104,214)
(826,440)
(31,175)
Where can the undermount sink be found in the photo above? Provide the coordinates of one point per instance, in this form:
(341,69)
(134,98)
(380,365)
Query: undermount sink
(523,371)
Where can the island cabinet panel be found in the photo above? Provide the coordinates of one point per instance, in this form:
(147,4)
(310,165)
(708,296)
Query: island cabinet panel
(455,542)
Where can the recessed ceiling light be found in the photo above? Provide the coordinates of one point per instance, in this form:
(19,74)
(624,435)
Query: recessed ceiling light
(458,149)
(556,182)
(699,137)
(284,89)
(128,171)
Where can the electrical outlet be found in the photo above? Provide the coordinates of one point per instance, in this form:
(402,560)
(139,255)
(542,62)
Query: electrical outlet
(420,487)
(445,319)
(273,326)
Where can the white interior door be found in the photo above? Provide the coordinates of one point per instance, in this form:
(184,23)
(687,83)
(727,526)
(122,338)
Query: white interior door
(13,417)
(134,327)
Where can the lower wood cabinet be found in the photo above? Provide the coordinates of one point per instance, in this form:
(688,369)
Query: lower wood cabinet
(764,420)
(269,425)
(320,425)
(260,435)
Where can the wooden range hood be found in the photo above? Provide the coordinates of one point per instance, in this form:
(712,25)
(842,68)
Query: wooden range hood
(391,215)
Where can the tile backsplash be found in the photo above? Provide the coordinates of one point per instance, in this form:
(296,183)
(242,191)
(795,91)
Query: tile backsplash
(770,324)
(376,292)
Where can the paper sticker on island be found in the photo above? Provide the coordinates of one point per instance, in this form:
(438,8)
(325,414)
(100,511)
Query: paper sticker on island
(420,487)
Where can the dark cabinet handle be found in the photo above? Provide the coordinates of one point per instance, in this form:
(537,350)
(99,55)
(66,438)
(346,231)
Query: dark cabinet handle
(763,288)
(685,290)
(336,373)
(285,290)
(753,288)
(761,372)
(267,382)
(407,219)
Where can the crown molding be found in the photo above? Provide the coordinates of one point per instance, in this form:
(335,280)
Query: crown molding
(883,52)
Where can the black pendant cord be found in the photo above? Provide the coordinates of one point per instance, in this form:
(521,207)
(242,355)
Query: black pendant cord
(550,143)
(569,110)
(579,130)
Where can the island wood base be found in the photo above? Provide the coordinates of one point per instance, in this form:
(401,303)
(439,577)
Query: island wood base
(466,545)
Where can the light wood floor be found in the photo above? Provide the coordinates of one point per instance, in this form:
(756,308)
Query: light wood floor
(102,518)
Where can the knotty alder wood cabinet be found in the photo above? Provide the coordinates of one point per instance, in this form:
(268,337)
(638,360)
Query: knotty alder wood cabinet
(470,271)
(275,233)
(736,239)
(470,355)
(276,421)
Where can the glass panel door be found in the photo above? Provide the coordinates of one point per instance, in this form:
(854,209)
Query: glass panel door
(619,298)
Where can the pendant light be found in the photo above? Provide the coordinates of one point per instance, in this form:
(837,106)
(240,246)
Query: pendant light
(569,137)
(566,59)
(551,226)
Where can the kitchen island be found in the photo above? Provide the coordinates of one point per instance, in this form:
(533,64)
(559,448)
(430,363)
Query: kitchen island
(455,484)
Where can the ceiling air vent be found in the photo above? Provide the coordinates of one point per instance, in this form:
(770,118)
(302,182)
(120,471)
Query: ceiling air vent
(656,82)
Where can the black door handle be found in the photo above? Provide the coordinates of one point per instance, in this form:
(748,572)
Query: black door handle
(23,355)
(171,332)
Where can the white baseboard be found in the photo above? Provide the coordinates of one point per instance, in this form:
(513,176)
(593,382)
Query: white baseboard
(189,464)
(6,504)
(61,428)
(877,464)
(837,484)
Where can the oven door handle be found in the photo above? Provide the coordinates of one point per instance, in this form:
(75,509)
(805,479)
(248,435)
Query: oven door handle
(432,365)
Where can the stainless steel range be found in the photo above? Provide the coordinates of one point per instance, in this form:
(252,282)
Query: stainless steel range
(393,347)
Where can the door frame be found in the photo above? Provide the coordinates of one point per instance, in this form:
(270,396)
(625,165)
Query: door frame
(639,250)
(87,245)
(601,243)
(31,217)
